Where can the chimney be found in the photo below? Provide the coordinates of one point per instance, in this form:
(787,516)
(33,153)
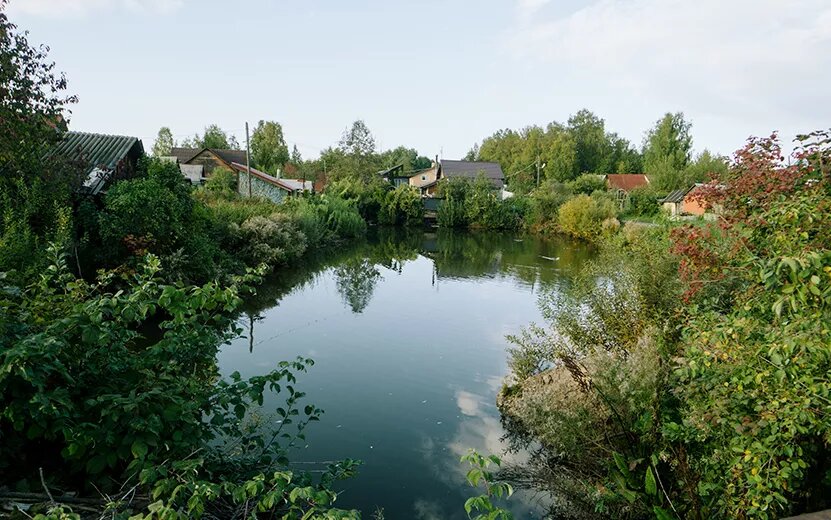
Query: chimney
(279,173)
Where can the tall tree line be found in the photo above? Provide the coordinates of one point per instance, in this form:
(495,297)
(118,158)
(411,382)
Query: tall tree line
(562,152)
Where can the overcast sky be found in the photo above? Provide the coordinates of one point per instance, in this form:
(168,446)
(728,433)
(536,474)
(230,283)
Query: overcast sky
(439,75)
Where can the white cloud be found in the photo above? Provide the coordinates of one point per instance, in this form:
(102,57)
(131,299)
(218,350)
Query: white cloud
(72,8)
(740,59)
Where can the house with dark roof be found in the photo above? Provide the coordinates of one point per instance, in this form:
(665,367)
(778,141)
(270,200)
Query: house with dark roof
(427,180)
(692,202)
(674,201)
(197,164)
(104,158)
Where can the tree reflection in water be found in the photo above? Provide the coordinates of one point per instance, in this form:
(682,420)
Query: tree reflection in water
(356,280)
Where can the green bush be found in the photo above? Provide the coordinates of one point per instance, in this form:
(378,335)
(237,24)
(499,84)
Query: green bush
(587,184)
(545,202)
(270,240)
(642,202)
(366,196)
(513,212)
(402,207)
(222,180)
(83,390)
(583,216)
(451,213)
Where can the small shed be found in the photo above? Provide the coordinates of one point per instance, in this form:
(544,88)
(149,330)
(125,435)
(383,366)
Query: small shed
(105,158)
(673,202)
(693,203)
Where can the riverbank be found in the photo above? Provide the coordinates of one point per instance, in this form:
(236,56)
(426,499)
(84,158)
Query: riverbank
(699,355)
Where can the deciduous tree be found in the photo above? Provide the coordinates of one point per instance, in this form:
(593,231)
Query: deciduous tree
(164,142)
(269,151)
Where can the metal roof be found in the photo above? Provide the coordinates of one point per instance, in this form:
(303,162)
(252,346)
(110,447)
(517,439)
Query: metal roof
(627,181)
(265,177)
(96,150)
(472,169)
(676,196)
(99,153)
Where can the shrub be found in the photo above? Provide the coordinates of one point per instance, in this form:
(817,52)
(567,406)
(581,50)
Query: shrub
(642,202)
(545,202)
(367,197)
(583,216)
(451,213)
(587,184)
(270,240)
(514,212)
(118,406)
(222,180)
(401,207)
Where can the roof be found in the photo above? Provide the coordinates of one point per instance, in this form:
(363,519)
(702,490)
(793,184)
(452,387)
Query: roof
(472,169)
(676,196)
(280,183)
(298,184)
(627,181)
(99,153)
(185,155)
(230,156)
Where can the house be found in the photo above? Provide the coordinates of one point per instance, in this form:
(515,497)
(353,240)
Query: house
(104,158)
(690,202)
(673,203)
(268,186)
(626,182)
(198,163)
(427,181)
(396,175)
(620,184)
(695,202)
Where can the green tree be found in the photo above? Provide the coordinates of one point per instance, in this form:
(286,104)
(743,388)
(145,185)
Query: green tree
(408,157)
(355,157)
(35,188)
(296,159)
(213,137)
(559,154)
(705,166)
(164,142)
(591,143)
(269,151)
(358,141)
(666,151)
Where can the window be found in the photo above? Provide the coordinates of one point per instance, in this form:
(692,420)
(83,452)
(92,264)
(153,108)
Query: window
(424,177)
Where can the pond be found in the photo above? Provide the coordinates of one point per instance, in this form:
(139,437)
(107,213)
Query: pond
(408,334)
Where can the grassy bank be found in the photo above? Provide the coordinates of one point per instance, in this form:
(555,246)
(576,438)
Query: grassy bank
(693,381)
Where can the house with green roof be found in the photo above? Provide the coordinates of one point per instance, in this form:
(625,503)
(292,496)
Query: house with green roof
(103,158)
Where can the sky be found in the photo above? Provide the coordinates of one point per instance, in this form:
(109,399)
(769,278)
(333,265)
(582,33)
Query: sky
(435,75)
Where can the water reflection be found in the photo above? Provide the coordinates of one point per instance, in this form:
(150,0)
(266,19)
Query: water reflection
(529,261)
(408,334)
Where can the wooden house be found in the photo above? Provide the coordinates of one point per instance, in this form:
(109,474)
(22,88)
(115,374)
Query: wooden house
(427,181)
(104,158)
(197,164)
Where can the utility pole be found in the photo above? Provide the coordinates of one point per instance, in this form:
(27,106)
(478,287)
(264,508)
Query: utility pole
(248,158)
(538,169)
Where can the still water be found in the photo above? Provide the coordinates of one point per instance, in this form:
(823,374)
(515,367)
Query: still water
(408,336)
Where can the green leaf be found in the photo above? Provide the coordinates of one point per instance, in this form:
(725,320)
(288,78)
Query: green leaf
(649,482)
(139,449)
